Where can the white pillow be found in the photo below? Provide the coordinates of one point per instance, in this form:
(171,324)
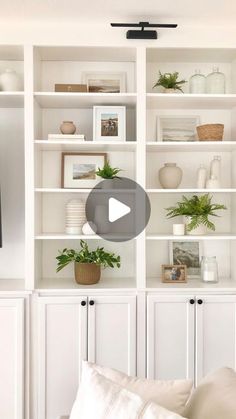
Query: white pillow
(101,398)
(215,397)
(171,394)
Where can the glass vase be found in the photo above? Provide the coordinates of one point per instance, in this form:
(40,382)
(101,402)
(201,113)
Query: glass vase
(197,83)
(209,269)
(215,82)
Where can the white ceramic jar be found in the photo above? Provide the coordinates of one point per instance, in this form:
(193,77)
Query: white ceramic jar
(10,81)
(170,176)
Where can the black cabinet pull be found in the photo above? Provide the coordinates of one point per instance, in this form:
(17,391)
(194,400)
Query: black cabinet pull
(199,301)
(192,301)
(83,303)
(91,303)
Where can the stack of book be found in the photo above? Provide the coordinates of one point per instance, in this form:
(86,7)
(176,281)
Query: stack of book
(59,137)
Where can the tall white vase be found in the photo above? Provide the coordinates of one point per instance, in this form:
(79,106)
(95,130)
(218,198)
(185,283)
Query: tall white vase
(170,176)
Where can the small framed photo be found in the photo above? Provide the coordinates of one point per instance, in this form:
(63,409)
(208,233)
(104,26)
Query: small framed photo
(105,82)
(187,253)
(79,169)
(109,123)
(174,274)
(178,128)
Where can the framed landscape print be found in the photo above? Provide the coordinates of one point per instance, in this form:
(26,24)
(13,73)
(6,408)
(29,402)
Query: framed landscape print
(109,123)
(174,274)
(187,253)
(79,169)
(178,128)
(104,82)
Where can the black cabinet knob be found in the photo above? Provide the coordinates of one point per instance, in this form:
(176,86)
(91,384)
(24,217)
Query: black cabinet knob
(192,301)
(91,303)
(83,303)
(199,301)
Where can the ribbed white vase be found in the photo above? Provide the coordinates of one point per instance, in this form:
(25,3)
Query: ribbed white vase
(75,216)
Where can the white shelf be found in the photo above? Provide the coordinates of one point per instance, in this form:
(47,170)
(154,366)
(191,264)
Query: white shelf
(190,101)
(85,190)
(225,236)
(58,284)
(83,100)
(85,145)
(211,146)
(62,236)
(193,285)
(11,99)
(191,190)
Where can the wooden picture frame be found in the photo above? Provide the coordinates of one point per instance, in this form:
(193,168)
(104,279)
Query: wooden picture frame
(174,274)
(74,166)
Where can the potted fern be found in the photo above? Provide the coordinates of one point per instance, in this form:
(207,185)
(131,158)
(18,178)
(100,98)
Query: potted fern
(196,212)
(87,263)
(170,82)
(108,173)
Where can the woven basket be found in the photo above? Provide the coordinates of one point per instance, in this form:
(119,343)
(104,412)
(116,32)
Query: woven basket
(87,273)
(210,132)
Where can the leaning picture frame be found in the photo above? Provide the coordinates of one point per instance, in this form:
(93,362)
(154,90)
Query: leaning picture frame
(177,128)
(78,170)
(187,253)
(174,274)
(109,123)
(105,82)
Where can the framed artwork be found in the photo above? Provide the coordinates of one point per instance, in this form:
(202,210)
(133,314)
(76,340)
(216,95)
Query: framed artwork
(109,123)
(105,82)
(178,128)
(79,169)
(174,274)
(187,253)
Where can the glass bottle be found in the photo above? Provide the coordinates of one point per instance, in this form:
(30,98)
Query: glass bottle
(215,82)
(209,269)
(197,83)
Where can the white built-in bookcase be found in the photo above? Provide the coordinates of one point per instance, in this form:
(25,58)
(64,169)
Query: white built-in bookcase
(38,203)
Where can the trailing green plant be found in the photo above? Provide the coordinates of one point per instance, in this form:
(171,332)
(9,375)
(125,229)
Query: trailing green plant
(98,256)
(108,172)
(198,208)
(170,81)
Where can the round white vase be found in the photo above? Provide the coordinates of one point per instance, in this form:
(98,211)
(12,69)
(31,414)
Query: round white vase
(199,231)
(170,176)
(10,81)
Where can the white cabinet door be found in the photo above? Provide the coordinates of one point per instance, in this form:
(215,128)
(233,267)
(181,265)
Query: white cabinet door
(62,345)
(216,333)
(112,332)
(11,358)
(170,337)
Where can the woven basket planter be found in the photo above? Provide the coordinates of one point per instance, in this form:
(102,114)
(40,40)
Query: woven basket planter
(87,273)
(210,132)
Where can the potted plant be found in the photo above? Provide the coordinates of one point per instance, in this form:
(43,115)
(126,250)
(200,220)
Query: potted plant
(108,173)
(196,212)
(170,82)
(87,263)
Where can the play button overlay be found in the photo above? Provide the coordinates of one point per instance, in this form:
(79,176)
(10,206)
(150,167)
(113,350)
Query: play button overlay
(118,210)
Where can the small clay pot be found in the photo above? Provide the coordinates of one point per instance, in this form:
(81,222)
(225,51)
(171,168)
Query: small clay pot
(68,128)
(87,273)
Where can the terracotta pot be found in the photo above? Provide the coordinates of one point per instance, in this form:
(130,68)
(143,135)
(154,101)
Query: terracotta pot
(68,128)
(87,273)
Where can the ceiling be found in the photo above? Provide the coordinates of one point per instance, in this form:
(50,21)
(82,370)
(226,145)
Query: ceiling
(196,12)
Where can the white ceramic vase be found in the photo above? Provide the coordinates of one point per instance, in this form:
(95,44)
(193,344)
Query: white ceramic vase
(199,231)
(101,219)
(10,81)
(170,176)
(107,183)
(89,228)
(75,216)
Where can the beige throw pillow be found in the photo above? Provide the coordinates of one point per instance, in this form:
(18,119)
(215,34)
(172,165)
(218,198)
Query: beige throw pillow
(215,397)
(173,395)
(101,398)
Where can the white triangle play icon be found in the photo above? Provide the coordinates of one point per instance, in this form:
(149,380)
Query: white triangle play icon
(117,209)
